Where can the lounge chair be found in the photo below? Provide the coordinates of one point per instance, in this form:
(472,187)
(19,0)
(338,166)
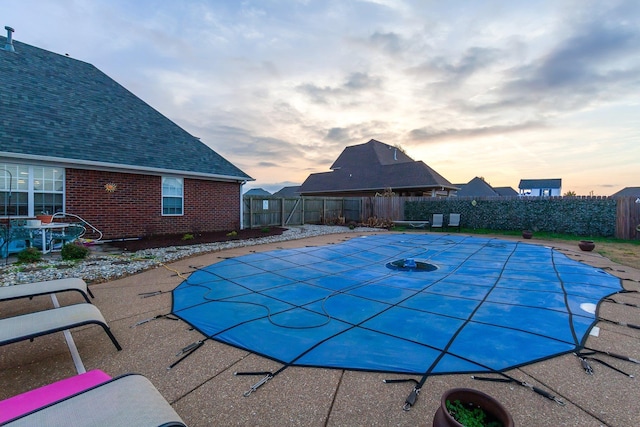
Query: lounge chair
(30,290)
(31,400)
(454,221)
(39,323)
(127,400)
(437,221)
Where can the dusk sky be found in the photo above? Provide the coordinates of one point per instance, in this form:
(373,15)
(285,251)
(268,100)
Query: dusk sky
(506,90)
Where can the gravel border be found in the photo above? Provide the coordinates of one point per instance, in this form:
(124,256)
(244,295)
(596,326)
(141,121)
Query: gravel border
(102,267)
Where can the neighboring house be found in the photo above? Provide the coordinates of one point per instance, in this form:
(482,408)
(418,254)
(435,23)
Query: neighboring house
(540,187)
(627,192)
(257,192)
(477,187)
(375,168)
(76,141)
(292,191)
(506,191)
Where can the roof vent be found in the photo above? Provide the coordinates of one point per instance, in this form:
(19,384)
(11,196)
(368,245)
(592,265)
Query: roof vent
(9,46)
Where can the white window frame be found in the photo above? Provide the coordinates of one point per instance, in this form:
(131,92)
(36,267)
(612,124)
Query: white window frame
(23,181)
(172,192)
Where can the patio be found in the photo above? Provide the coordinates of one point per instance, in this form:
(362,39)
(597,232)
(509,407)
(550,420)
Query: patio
(204,390)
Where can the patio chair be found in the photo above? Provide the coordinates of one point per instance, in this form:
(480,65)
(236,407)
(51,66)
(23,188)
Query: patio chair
(127,400)
(30,290)
(454,221)
(13,239)
(437,221)
(70,234)
(32,325)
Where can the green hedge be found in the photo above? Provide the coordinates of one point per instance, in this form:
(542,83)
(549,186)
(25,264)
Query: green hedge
(567,215)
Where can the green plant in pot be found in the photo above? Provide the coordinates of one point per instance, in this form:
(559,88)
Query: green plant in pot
(470,408)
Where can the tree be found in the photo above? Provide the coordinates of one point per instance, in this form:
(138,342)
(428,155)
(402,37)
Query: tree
(570,194)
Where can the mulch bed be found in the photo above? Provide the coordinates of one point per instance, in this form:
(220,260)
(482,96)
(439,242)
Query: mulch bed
(166,240)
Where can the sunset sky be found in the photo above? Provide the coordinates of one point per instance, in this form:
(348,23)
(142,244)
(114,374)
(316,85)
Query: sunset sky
(505,90)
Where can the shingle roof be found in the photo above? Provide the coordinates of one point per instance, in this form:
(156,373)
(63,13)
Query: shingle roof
(477,187)
(257,192)
(291,191)
(505,191)
(540,183)
(55,107)
(373,166)
(627,192)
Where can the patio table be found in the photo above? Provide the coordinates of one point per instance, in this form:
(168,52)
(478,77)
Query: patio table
(47,229)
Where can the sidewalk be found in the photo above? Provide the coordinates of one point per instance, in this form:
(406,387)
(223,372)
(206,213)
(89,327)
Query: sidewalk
(204,390)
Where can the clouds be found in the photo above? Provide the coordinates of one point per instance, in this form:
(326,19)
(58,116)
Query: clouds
(280,88)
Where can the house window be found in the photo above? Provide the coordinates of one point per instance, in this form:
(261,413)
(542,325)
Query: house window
(172,196)
(27,190)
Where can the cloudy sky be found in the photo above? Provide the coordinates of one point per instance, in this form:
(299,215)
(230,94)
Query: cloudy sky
(505,90)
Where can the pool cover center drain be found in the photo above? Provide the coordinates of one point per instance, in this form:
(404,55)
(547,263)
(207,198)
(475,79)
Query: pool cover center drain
(409,264)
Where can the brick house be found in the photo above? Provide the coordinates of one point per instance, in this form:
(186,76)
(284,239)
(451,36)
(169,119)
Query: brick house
(74,140)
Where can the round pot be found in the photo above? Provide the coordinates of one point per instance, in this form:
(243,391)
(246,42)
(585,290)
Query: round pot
(526,234)
(492,407)
(586,245)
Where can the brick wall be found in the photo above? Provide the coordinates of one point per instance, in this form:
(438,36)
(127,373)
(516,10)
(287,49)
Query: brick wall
(134,209)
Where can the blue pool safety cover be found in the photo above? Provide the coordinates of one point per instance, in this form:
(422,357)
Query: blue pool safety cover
(490,304)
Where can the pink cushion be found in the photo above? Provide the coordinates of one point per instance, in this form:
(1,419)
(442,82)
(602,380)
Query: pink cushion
(34,399)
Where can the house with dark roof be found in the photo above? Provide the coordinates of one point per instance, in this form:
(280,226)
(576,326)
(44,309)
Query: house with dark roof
(375,168)
(257,192)
(627,192)
(506,191)
(477,187)
(74,140)
(290,191)
(540,187)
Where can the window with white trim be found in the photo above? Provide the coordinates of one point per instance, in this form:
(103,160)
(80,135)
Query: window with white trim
(172,196)
(28,190)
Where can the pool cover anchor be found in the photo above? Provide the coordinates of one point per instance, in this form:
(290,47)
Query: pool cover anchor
(413,396)
(267,376)
(533,388)
(187,351)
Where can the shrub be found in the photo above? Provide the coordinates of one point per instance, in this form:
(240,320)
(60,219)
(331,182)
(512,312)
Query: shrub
(265,229)
(71,251)
(187,237)
(232,234)
(29,255)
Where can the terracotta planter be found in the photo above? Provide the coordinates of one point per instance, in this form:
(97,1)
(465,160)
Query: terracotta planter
(45,219)
(493,408)
(586,245)
(526,234)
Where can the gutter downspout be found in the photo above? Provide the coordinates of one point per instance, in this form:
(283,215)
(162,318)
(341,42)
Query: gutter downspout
(242,206)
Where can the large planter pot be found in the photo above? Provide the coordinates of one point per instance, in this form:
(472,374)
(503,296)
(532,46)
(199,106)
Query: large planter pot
(45,219)
(586,245)
(526,234)
(475,399)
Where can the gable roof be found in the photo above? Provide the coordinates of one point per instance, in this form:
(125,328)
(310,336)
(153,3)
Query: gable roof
(505,191)
(257,192)
(540,183)
(291,191)
(374,166)
(627,192)
(59,109)
(477,187)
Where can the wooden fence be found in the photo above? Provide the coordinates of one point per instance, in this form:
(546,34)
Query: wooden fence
(599,213)
(270,211)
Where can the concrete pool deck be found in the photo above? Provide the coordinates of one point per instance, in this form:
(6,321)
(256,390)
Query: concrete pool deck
(204,390)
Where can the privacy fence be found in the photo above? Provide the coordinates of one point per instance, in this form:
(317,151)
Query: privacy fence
(582,216)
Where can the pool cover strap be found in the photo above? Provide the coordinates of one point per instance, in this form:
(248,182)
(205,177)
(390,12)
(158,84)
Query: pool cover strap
(535,389)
